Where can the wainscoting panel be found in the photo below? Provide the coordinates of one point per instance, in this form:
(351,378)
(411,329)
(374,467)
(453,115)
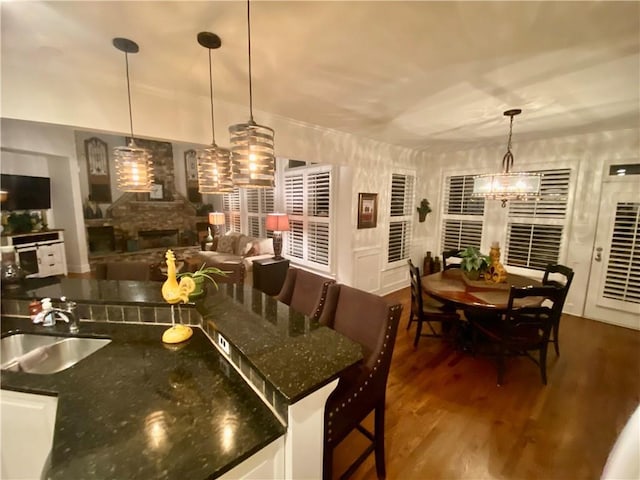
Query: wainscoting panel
(367,263)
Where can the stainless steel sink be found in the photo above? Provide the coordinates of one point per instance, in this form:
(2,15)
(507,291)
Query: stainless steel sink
(44,354)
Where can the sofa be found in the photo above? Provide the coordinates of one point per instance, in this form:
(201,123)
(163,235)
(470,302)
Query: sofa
(233,252)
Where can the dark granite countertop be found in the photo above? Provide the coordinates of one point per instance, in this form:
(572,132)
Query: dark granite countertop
(295,354)
(122,292)
(140,409)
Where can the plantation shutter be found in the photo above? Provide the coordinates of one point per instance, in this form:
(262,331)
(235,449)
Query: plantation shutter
(259,203)
(400,211)
(462,214)
(308,204)
(231,210)
(622,280)
(535,228)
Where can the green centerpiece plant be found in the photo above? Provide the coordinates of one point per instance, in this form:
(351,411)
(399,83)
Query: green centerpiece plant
(200,276)
(474,263)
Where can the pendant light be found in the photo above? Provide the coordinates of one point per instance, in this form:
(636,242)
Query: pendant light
(134,167)
(214,162)
(252,151)
(507,185)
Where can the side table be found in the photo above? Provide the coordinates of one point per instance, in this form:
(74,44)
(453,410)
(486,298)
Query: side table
(269,274)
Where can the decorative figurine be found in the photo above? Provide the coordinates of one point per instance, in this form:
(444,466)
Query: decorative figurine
(174,292)
(496,272)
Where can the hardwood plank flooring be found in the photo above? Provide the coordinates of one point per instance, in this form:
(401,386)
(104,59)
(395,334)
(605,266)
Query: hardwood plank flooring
(447,419)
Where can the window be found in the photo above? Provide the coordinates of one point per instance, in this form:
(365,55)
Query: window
(259,203)
(401,214)
(462,216)
(231,209)
(535,227)
(308,204)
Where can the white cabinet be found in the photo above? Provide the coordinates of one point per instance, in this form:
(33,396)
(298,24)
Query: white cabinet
(27,422)
(41,254)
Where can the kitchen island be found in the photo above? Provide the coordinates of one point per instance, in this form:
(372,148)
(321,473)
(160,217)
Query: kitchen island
(140,409)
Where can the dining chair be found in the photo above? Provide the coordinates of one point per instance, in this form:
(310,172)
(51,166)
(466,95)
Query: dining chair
(305,291)
(447,257)
(567,273)
(370,321)
(522,330)
(426,309)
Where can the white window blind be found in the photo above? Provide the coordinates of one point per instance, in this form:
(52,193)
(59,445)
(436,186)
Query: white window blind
(401,213)
(535,227)
(259,202)
(462,217)
(231,210)
(307,192)
(622,281)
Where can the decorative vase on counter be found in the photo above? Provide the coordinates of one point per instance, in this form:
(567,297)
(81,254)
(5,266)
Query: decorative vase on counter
(11,275)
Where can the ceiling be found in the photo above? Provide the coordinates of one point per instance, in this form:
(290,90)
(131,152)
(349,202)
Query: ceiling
(417,74)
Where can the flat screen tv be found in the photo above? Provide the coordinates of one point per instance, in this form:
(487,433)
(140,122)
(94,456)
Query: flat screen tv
(25,193)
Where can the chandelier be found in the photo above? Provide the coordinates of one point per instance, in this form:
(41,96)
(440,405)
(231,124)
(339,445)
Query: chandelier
(252,150)
(214,162)
(134,166)
(507,185)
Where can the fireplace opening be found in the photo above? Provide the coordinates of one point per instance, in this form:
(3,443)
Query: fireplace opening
(157,238)
(101,239)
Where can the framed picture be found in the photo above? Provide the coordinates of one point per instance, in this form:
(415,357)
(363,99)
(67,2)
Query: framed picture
(157,191)
(367,210)
(97,154)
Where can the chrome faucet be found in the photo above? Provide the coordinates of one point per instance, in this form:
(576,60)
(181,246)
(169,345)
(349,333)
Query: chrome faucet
(66,314)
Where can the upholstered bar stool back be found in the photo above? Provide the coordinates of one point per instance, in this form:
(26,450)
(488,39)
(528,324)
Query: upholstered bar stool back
(305,291)
(370,321)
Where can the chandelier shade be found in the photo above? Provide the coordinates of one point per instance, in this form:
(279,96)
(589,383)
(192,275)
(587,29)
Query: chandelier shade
(134,165)
(213,162)
(507,185)
(252,145)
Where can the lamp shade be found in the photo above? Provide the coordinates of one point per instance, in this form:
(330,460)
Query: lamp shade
(277,222)
(214,170)
(134,168)
(252,155)
(216,218)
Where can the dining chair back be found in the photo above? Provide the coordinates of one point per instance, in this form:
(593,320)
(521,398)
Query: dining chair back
(305,291)
(566,273)
(523,329)
(448,257)
(425,309)
(370,321)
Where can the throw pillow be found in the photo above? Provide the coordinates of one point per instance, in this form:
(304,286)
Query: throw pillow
(227,244)
(264,246)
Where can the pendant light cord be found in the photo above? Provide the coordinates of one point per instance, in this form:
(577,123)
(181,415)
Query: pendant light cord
(507,160)
(126,60)
(249,49)
(213,128)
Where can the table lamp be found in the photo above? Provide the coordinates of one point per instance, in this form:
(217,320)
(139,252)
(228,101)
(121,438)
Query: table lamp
(216,219)
(278,223)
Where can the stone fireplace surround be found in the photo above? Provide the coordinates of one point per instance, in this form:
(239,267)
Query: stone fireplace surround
(141,228)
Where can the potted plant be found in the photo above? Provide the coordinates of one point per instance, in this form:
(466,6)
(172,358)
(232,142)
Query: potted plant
(423,209)
(200,276)
(473,262)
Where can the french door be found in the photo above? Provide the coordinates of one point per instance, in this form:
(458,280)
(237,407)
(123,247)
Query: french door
(613,295)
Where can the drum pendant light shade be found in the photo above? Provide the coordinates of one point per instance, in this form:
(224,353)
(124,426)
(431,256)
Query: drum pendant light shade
(134,165)
(252,146)
(507,185)
(214,162)
(253,158)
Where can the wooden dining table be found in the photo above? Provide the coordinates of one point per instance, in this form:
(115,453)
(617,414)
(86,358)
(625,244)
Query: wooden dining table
(454,288)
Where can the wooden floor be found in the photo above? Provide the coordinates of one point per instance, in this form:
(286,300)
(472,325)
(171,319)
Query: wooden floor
(447,419)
